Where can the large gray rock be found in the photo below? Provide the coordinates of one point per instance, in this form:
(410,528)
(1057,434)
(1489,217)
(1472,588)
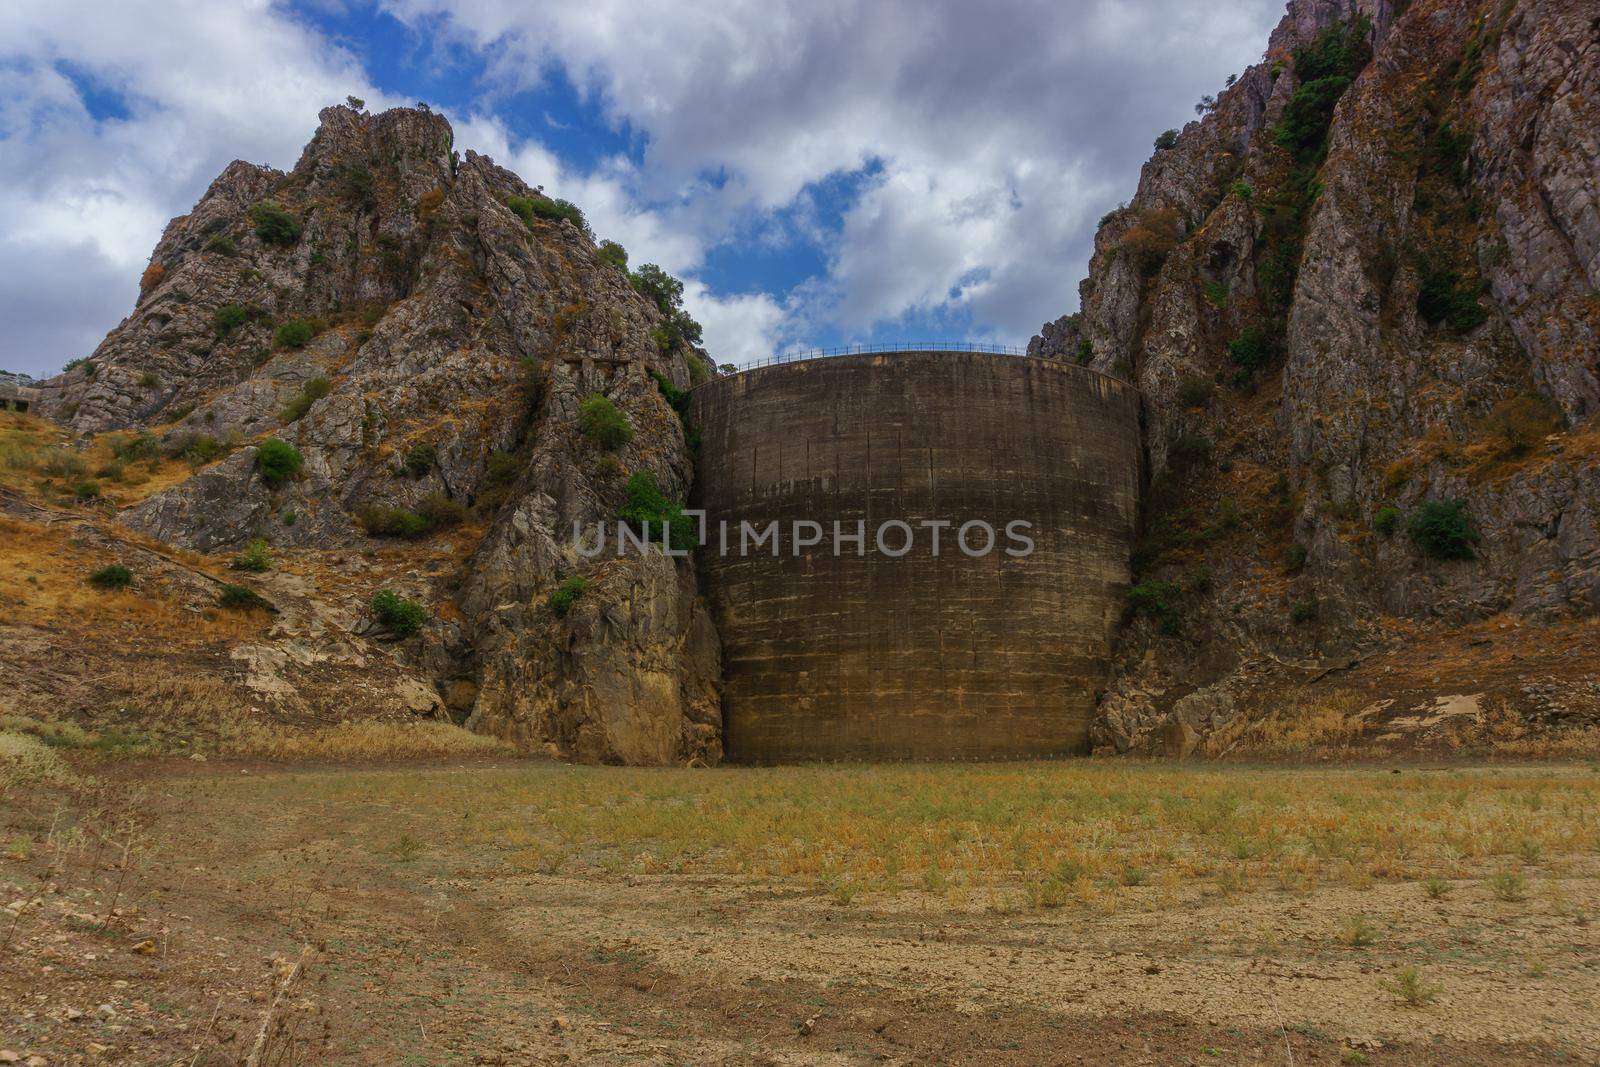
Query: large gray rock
(1367,405)
(449,327)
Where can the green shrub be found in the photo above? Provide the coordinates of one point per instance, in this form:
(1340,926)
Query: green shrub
(396,614)
(274,225)
(1302,611)
(255,559)
(229,317)
(1168,139)
(354,185)
(603,424)
(311,392)
(647,504)
(296,333)
(550,209)
(678,400)
(1442,529)
(59,463)
(379,520)
(1155,599)
(1304,126)
(666,292)
(1253,349)
(149,380)
(614,254)
(1242,190)
(1324,68)
(565,594)
(502,468)
(1444,297)
(1194,390)
(111,576)
(1294,558)
(421,458)
(198,448)
(438,510)
(701,369)
(221,244)
(1085,352)
(87,490)
(240,598)
(1386,520)
(142,445)
(278,461)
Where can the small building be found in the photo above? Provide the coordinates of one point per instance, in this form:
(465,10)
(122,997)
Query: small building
(17,397)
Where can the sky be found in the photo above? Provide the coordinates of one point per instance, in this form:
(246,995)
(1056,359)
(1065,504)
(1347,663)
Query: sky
(819,172)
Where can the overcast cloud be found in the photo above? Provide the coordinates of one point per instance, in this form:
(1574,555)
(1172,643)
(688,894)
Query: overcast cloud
(982,142)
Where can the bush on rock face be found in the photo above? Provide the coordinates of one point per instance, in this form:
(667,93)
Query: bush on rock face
(274,225)
(278,461)
(566,594)
(603,424)
(396,614)
(1442,529)
(296,333)
(647,504)
(111,576)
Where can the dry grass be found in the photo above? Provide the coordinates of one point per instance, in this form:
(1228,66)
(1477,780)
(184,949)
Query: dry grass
(25,760)
(356,742)
(1050,835)
(1300,724)
(207,715)
(40,459)
(48,570)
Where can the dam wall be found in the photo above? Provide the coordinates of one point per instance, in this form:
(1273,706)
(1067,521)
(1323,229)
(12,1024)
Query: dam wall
(896,649)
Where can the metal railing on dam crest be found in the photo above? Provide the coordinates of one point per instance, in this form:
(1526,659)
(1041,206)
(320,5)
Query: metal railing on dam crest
(907,347)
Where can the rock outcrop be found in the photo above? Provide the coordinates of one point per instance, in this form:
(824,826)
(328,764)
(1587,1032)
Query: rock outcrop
(1361,297)
(422,329)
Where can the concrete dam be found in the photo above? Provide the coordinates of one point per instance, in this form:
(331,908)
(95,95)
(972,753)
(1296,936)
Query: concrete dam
(865,613)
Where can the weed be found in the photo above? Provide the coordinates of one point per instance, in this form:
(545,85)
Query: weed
(1409,986)
(1509,886)
(1357,932)
(255,559)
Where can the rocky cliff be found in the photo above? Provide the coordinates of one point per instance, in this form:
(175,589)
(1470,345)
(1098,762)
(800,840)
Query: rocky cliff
(1361,297)
(421,329)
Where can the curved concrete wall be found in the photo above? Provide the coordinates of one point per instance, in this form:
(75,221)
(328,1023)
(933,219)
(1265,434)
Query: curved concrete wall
(922,656)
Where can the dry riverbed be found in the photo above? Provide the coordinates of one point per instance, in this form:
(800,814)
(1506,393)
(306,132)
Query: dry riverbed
(179,912)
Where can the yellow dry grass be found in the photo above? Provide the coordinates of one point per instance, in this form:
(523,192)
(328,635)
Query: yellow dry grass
(1053,834)
(48,570)
(355,742)
(40,459)
(1297,725)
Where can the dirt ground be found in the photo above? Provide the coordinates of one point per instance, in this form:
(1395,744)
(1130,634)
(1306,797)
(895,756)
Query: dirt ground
(223,913)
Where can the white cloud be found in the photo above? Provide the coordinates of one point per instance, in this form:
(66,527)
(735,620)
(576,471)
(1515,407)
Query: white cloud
(1003,129)
(738,329)
(997,134)
(199,84)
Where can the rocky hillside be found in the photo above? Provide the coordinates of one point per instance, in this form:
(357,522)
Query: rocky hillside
(1361,296)
(385,351)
